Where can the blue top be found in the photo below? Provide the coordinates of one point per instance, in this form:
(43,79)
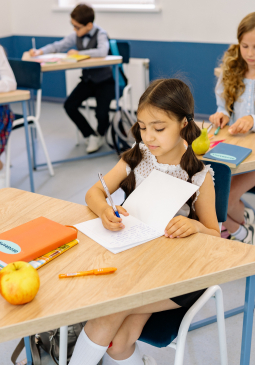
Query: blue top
(69,42)
(245,105)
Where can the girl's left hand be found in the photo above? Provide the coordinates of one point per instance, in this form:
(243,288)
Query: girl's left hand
(180,227)
(242,125)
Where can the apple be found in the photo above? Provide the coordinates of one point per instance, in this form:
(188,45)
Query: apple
(19,282)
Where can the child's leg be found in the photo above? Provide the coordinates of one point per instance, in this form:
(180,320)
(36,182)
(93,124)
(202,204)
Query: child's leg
(240,184)
(98,333)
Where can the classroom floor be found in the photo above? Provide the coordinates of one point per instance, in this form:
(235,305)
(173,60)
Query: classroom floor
(71,181)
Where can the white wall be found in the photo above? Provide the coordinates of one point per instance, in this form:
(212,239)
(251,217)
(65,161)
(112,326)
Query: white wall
(213,21)
(5,18)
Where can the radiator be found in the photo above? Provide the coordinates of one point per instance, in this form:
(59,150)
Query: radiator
(137,72)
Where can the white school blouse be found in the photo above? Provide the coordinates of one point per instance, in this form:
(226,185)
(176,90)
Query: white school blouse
(149,163)
(245,105)
(7,79)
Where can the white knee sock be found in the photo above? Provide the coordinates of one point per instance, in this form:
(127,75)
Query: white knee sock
(87,352)
(134,359)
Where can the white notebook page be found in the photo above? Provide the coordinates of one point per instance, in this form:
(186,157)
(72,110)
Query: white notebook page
(158,198)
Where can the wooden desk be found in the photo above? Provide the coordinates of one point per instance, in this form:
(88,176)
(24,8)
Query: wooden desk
(156,270)
(21,96)
(247,140)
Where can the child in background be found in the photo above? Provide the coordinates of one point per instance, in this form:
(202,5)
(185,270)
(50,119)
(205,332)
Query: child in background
(165,119)
(88,39)
(7,83)
(235,95)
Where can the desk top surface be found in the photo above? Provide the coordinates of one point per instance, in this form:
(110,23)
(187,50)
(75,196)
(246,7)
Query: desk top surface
(90,62)
(153,271)
(17,95)
(247,140)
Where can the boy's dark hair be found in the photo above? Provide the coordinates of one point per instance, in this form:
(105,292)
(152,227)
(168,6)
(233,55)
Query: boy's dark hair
(83,14)
(173,97)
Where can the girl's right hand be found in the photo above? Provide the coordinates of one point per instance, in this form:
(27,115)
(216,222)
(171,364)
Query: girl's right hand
(219,119)
(111,221)
(35,52)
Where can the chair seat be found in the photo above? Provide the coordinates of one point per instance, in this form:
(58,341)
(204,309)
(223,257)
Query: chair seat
(162,327)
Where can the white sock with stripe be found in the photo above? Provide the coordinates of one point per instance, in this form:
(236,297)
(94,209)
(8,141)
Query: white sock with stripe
(86,351)
(241,233)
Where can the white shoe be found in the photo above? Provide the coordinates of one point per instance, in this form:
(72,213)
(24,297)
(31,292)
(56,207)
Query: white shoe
(95,142)
(248,216)
(148,360)
(250,238)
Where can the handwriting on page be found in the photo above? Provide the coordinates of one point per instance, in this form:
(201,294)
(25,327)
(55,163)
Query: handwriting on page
(133,234)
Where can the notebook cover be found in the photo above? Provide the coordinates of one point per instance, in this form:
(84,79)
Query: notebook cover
(33,239)
(231,154)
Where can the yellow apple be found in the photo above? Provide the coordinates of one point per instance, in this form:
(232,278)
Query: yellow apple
(19,282)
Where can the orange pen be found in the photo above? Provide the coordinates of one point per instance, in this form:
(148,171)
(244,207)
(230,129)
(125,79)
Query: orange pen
(104,271)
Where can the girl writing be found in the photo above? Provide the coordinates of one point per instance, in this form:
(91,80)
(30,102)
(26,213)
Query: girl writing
(7,83)
(164,122)
(235,96)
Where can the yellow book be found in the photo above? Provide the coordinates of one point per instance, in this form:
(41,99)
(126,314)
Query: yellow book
(75,58)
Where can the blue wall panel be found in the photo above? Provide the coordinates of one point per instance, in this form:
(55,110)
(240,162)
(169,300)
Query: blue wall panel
(194,62)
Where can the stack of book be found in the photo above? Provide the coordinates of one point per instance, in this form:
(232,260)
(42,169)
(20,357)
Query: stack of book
(37,242)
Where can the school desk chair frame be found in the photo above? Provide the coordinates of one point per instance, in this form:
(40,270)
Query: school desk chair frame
(170,328)
(28,76)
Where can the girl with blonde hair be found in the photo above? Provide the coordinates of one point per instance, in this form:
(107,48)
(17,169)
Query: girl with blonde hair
(235,96)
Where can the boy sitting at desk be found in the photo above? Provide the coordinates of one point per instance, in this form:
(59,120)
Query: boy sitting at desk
(91,40)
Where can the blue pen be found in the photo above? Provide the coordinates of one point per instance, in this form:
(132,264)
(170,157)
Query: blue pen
(108,194)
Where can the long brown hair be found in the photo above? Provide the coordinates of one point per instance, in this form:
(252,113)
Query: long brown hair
(233,65)
(174,98)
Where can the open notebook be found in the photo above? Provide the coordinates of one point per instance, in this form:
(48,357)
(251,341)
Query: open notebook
(151,206)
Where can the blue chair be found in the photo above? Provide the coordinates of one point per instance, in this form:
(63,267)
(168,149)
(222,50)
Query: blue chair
(170,328)
(28,76)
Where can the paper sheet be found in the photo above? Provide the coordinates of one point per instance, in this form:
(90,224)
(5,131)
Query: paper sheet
(158,198)
(134,233)
(50,55)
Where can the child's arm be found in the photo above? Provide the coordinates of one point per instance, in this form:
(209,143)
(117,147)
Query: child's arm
(56,47)
(205,209)
(243,125)
(96,197)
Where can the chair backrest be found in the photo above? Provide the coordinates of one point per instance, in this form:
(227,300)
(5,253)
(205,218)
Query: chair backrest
(222,181)
(120,49)
(27,74)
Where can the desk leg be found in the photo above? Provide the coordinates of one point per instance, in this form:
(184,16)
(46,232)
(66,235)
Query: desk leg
(24,109)
(248,320)
(117,88)
(28,351)
(63,345)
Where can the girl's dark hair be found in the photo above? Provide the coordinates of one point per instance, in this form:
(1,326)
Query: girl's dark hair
(83,14)
(174,97)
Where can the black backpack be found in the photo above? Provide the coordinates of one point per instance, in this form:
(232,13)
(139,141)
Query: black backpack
(118,135)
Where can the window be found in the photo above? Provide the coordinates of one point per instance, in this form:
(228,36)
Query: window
(112,5)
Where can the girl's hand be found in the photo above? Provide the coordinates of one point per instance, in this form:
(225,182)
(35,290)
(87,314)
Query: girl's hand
(111,221)
(242,125)
(219,119)
(35,52)
(180,227)
(72,51)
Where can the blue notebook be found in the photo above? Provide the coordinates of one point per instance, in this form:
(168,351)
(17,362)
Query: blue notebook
(230,154)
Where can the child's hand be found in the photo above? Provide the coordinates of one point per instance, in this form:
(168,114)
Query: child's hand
(219,119)
(242,125)
(35,52)
(111,221)
(180,227)
(72,51)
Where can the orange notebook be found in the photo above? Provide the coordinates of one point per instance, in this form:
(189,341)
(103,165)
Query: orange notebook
(34,239)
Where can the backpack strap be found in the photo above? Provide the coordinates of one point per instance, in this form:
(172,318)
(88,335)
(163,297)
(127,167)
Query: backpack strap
(17,351)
